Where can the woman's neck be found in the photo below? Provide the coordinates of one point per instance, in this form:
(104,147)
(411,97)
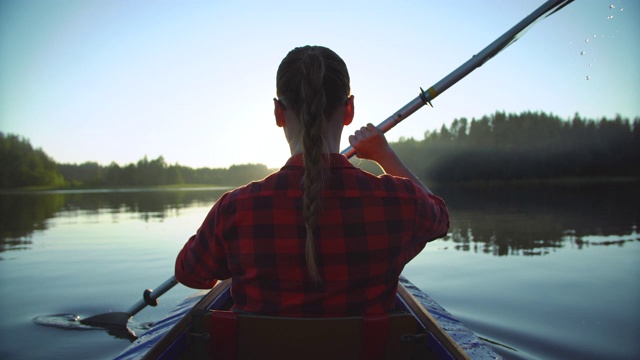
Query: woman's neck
(331,134)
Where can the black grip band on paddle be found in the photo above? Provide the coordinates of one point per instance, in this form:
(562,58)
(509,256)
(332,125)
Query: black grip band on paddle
(146,295)
(424,98)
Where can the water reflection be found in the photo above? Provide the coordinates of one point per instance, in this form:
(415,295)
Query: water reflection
(508,220)
(539,219)
(23,214)
(146,204)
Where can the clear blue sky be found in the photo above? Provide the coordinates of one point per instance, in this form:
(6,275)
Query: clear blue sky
(115,80)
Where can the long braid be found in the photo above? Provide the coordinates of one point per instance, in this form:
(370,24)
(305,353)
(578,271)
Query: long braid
(312,120)
(312,81)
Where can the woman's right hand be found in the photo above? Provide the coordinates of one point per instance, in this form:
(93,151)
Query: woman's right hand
(370,144)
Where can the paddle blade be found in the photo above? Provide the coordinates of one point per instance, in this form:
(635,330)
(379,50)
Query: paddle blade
(115,323)
(113,319)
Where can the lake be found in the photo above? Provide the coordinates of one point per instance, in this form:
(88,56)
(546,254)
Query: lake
(539,271)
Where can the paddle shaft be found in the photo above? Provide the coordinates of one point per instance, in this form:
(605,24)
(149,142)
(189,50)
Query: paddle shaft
(149,297)
(476,61)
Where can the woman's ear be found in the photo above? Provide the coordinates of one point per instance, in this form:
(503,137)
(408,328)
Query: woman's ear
(349,112)
(278,112)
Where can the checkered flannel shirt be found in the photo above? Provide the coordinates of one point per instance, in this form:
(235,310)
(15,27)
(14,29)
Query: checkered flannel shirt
(369,229)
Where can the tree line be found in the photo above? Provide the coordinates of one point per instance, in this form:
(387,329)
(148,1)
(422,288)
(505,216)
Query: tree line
(157,172)
(525,146)
(497,147)
(22,165)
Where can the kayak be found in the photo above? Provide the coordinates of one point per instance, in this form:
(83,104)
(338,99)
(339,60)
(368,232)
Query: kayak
(419,327)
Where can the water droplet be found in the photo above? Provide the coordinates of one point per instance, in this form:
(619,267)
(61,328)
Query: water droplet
(621,9)
(586,40)
(588,77)
(612,6)
(582,52)
(609,17)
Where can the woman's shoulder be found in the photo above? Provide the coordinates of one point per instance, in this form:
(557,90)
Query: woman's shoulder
(366,182)
(279,181)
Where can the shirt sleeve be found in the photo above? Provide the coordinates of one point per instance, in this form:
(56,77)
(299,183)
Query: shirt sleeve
(202,261)
(433,217)
(431,222)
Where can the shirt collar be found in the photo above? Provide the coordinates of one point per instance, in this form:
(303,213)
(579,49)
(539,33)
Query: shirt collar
(335,161)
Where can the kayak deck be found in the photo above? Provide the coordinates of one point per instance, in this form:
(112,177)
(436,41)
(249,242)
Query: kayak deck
(447,337)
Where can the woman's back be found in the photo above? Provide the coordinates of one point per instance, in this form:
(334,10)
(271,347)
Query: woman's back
(369,228)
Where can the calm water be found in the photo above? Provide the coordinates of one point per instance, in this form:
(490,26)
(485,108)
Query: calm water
(542,272)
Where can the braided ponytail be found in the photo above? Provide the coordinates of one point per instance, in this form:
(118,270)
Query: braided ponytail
(313,81)
(312,120)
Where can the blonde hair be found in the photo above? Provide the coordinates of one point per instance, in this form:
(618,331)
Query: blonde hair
(312,81)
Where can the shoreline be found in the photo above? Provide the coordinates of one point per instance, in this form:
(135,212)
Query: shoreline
(102,189)
(561,181)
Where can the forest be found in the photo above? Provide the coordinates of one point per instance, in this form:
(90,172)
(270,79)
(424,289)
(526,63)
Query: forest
(526,146)
(22,165)
(529,146)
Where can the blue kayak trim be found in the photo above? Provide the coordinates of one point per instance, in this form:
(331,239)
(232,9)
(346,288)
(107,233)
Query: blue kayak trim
(465,338)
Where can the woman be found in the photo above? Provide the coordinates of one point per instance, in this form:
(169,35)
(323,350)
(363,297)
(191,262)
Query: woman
(318,238)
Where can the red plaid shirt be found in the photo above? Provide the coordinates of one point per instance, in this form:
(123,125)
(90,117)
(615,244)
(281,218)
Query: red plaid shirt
(370,228)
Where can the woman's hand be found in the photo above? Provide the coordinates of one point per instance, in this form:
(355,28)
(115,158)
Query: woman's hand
(370,144)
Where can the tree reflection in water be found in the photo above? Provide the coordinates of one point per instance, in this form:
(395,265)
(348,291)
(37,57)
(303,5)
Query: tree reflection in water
(24,213)
(522,220)
(533,220)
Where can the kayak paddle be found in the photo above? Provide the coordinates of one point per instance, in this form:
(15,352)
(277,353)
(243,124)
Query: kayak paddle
(120,319)
(150,297)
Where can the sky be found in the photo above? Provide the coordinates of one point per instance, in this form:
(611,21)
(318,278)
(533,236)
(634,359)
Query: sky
(193,81)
